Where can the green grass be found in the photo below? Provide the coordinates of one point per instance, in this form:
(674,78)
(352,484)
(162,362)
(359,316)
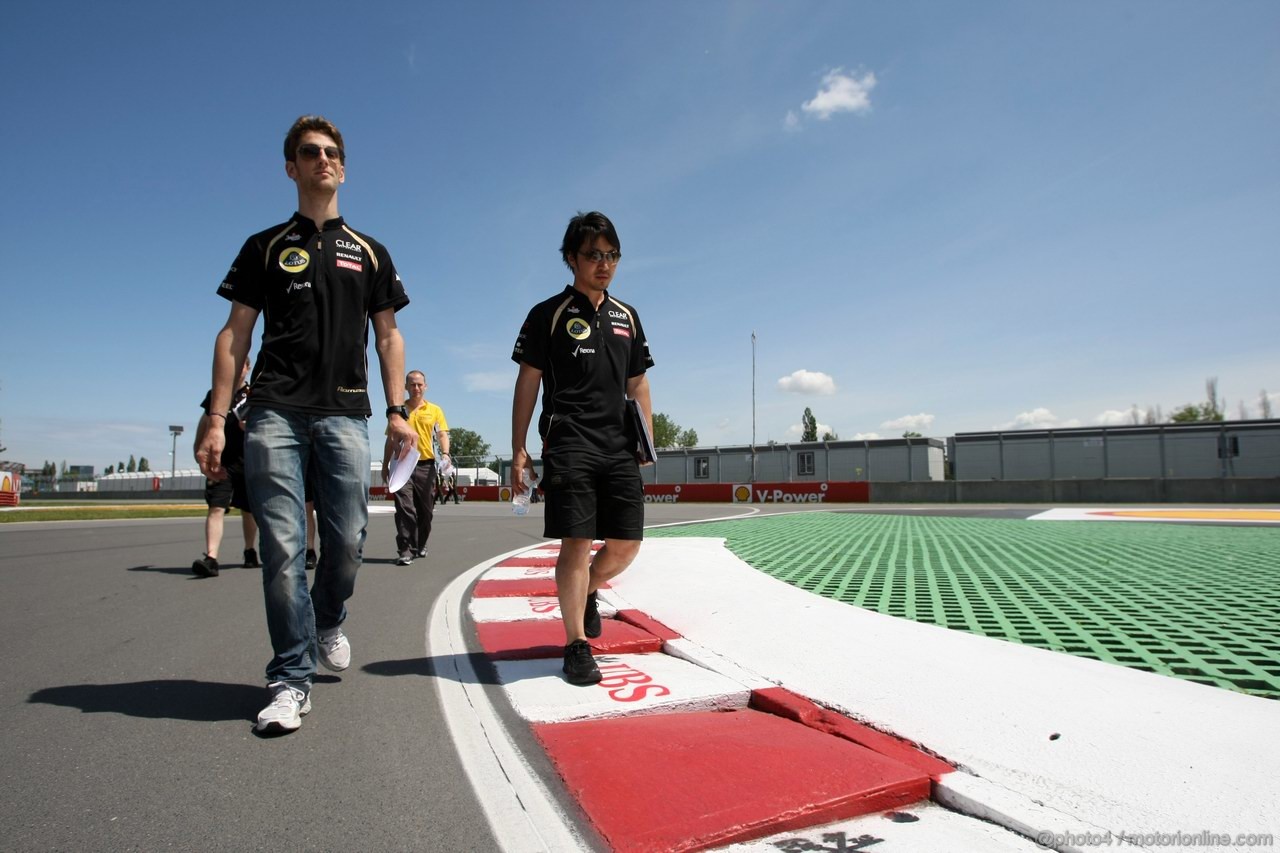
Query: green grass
(98,513)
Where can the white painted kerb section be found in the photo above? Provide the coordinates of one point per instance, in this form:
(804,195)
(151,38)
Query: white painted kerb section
(1134,752)
(633,685)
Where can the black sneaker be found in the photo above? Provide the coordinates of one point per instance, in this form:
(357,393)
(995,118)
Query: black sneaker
(312,559)
(579,666)
(206,567)
(420,553)
(591,618)
(251,559)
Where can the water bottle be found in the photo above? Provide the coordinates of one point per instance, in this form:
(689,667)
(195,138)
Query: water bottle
(520,497)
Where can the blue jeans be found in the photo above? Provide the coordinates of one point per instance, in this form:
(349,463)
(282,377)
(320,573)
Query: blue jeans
(279,445)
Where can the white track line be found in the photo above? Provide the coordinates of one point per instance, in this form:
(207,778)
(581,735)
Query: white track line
(522,813)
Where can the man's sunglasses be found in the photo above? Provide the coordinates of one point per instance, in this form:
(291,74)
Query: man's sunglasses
(597,257)
(312,152)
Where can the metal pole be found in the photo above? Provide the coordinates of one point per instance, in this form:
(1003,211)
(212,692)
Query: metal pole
(176,430)
(753,405)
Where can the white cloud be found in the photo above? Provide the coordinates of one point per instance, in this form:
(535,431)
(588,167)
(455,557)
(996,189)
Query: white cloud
(1040,418)
(796,431)
(841,93)
(1117,417)
(808,382)
(488,381)
(792,121)
(909,423)
(866,436)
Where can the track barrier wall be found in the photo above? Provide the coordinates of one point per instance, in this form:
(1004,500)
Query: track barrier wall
(1228,490)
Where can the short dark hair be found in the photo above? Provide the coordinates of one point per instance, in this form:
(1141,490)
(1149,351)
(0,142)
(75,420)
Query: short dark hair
(319,124)
(583,228)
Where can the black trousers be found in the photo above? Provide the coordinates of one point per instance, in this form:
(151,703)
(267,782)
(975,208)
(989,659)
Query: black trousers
(415,506)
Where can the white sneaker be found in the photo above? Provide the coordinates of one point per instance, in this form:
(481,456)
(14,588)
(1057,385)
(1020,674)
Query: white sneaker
(288,706)
(335,649)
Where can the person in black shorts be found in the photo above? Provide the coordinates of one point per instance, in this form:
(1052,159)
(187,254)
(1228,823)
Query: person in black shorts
(588,351)
(221,495)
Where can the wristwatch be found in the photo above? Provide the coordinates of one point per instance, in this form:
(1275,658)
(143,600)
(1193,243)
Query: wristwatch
(398,410)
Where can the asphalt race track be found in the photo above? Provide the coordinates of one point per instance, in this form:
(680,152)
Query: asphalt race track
(130,688)
(131,685)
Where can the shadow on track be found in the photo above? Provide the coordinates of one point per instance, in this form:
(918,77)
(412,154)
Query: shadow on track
(479,670)
(186,570)
(176,699)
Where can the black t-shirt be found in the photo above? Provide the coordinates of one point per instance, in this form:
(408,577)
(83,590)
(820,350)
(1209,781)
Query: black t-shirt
(233,452)
(586,357)
(316,289)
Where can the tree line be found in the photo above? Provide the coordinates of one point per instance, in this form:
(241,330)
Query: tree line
(53,472)
(141,465)
(1212,410)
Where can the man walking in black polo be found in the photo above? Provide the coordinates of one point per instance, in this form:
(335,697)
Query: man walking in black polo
(588,351)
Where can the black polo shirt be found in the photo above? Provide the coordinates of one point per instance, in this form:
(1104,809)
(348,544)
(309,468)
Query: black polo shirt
(586,357)
(316,289)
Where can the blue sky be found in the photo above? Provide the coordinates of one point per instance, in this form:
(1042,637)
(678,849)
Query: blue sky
(935,216)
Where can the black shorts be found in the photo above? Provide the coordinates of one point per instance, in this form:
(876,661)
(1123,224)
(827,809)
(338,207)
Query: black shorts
(227,493)
(592,496)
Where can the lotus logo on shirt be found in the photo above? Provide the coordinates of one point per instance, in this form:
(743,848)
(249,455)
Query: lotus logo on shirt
(294,259)
(578,328)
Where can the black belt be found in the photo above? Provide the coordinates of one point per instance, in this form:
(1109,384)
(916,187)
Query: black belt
(426,461)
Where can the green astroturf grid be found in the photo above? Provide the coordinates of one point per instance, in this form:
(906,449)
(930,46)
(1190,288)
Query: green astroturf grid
(1196,602)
